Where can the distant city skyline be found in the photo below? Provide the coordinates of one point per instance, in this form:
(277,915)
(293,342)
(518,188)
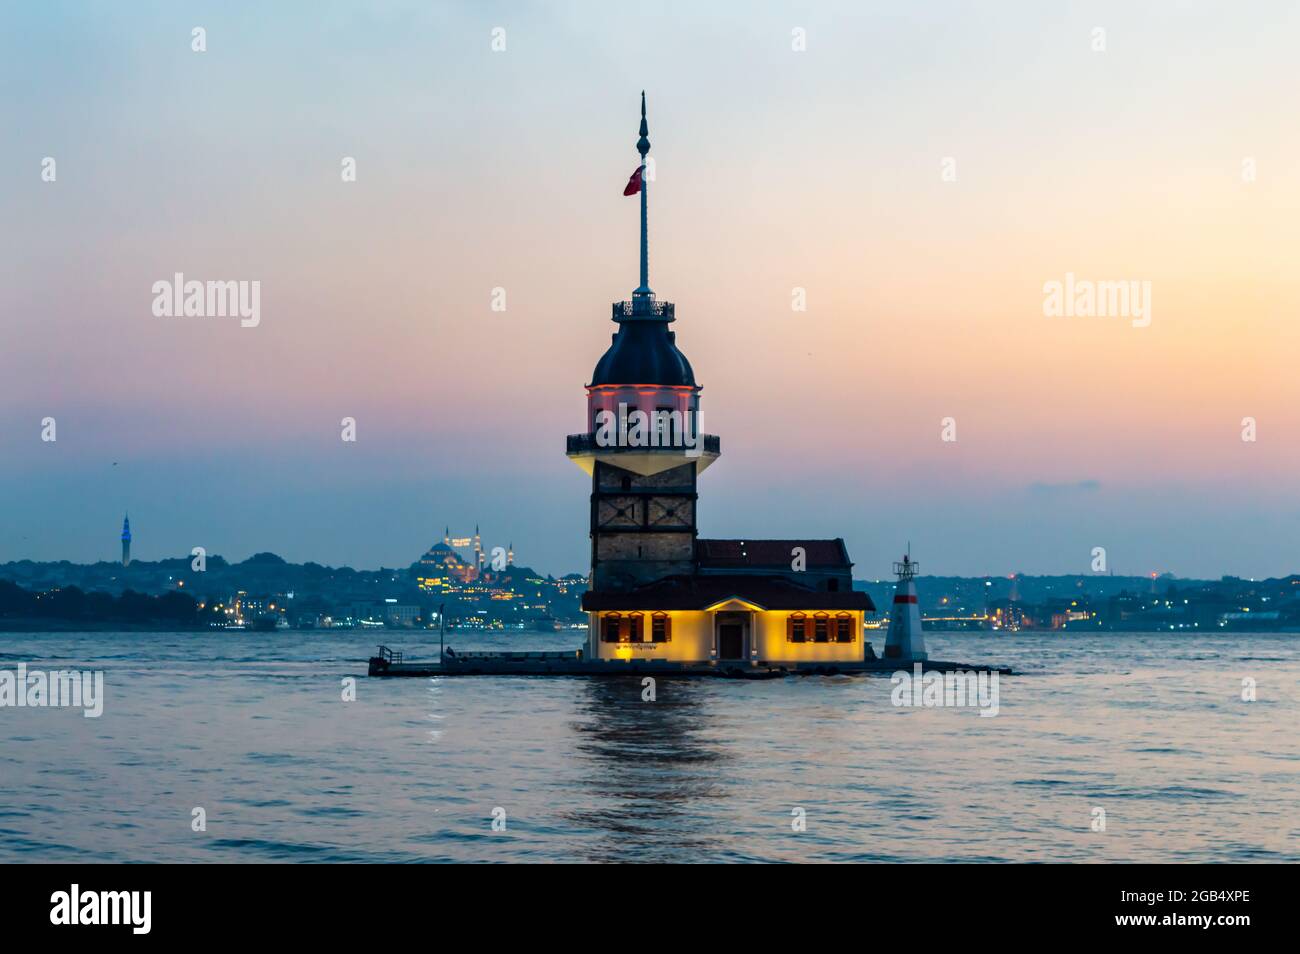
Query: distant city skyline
(465,545)
(919,204)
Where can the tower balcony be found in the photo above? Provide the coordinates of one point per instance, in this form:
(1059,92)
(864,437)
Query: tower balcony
(587,444)
(643,308)
(584,450)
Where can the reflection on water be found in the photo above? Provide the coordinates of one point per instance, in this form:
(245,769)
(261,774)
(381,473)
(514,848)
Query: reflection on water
(650,768)
(252,728)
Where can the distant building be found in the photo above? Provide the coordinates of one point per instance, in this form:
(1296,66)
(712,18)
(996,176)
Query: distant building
(126,540)
(388,612)
(1009,615)
(441,566)
(405,615)
(1055,613)
(444,566)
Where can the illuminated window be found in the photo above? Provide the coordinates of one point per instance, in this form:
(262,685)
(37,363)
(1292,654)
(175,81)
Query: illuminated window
(821,628)
(633,628)
(661,628)
(611,623)
(843,628)
(797,628)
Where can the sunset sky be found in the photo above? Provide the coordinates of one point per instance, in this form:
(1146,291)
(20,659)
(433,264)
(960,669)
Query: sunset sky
(777,169)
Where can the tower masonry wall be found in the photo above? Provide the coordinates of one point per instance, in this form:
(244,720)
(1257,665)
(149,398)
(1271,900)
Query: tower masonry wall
(647,547)
(677,479)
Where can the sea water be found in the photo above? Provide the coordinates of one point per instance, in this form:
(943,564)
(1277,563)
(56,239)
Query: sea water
(1105,748)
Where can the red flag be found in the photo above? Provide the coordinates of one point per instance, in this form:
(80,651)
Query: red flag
(634,183)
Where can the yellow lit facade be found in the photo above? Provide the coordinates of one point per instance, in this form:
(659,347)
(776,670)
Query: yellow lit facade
(734,631)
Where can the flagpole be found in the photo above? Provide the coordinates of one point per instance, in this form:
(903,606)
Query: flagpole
(645,232)
(643,147)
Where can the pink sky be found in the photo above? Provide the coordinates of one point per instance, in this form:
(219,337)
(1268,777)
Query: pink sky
(776,170)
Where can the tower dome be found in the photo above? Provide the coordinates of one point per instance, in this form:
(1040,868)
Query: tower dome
(644,351)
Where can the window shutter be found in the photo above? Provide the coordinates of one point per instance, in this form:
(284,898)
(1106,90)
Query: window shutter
(664,625)
(796,628)
(844,628)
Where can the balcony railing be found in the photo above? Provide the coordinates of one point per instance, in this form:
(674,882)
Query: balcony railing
(644,308)
(586,444)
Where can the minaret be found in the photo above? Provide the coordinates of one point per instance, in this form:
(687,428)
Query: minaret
(905,641)
(643,447)
(126,540)
(478,550)
(446,536)
(510,555)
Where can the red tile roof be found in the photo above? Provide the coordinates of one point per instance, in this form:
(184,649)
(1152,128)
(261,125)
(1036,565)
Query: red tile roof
(774,553)
(698,592)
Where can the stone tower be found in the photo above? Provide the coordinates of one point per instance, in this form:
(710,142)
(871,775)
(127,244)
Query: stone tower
(643,447)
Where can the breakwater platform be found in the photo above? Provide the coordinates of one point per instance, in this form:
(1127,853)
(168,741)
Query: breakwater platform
(390,663)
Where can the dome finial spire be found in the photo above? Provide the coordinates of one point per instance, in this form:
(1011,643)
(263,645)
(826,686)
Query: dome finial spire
(643,146)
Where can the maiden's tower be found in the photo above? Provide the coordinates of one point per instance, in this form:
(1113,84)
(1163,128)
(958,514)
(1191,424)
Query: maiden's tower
(658,590)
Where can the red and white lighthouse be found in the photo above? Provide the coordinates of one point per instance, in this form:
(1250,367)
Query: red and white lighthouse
(905,641)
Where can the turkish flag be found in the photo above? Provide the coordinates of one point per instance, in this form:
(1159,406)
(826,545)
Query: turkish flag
(634,183)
